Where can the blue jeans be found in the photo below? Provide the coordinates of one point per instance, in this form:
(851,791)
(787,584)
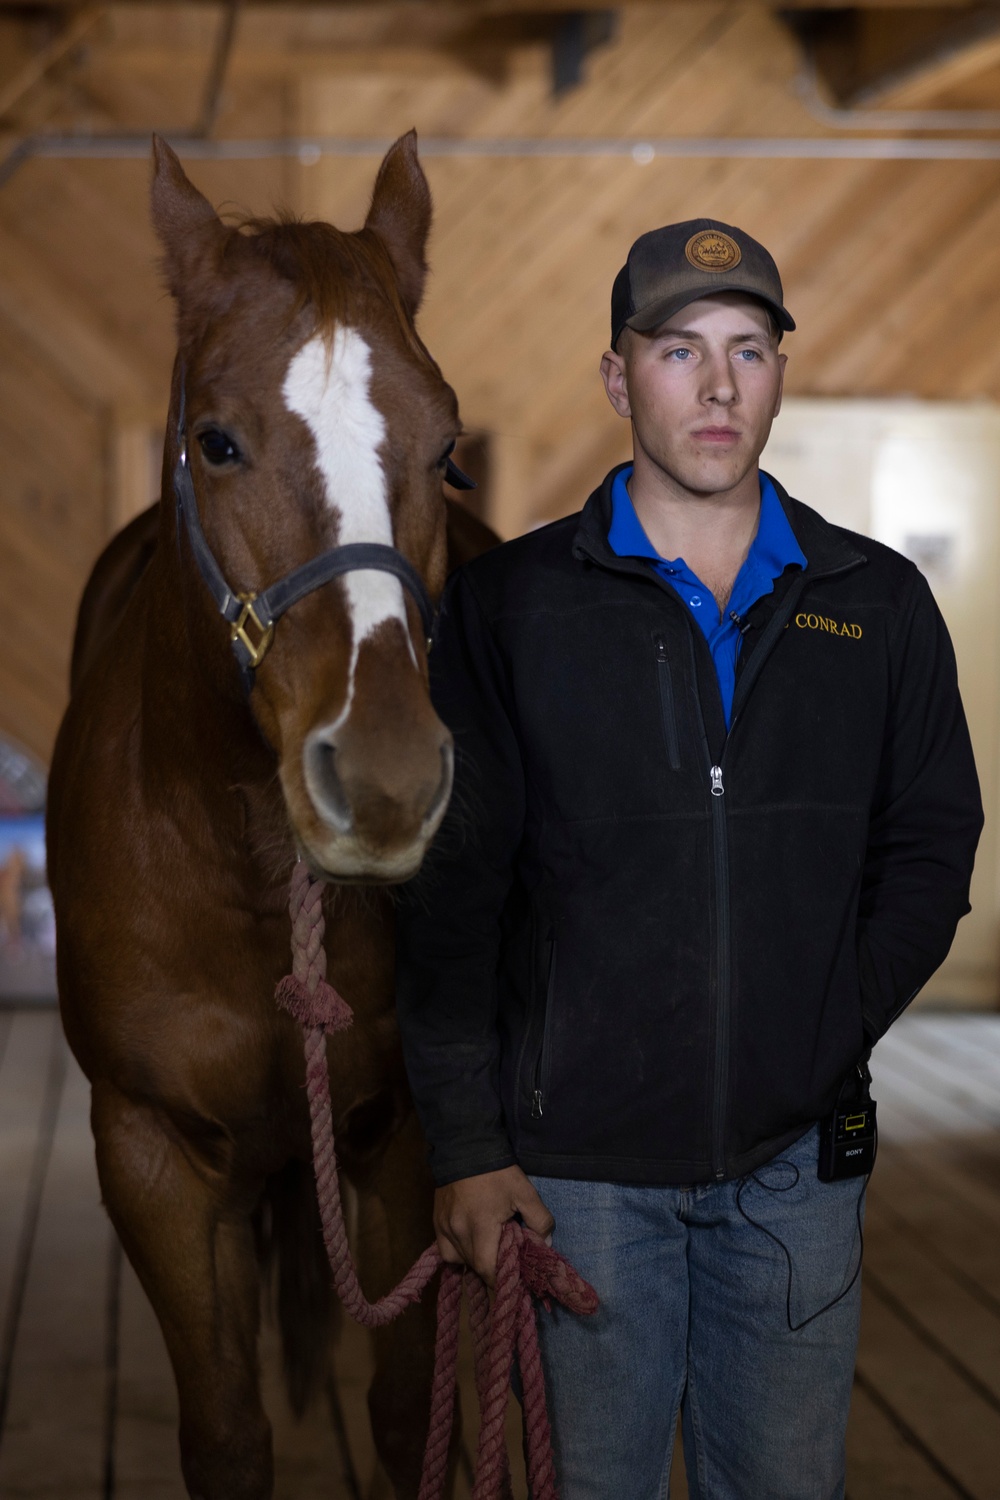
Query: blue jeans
(694,1316)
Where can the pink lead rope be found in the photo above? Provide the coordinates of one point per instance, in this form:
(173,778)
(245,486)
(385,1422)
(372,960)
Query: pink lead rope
(526,1267)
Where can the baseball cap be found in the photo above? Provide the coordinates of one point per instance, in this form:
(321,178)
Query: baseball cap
(670,267)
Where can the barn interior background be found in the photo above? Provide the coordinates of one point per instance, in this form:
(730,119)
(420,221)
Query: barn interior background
(860,143)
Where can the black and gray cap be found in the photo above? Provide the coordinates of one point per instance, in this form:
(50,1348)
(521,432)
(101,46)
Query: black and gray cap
(670,267)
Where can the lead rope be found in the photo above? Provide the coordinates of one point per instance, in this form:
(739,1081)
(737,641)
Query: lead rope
(526,1267)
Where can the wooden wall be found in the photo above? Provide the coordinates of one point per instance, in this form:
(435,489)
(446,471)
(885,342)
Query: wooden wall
(52,516)
(891,267)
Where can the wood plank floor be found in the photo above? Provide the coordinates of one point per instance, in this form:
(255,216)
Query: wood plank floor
(87,1404)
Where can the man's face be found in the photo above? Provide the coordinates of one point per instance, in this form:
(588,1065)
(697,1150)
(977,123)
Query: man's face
(702,390)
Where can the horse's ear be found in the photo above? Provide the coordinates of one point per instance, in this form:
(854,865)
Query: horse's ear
(186,224)
(401,216)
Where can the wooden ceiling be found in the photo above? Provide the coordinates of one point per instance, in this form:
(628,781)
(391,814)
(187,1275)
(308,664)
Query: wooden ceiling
(891,268)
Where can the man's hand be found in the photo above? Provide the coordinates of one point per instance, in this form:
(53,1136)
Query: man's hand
(469,1214)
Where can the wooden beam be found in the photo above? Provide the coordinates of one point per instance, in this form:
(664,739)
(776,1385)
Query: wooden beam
(506,7)
(35,69)
(222,53)
(292,64)
(791,5)
(574,38)
(962,47)
(66,332)
(900,59)
(483,7)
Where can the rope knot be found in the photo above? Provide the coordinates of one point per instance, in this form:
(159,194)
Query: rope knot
(320,1007)
(305,993)
(550,1277)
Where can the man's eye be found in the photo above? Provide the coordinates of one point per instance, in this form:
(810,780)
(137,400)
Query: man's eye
(749,355)
(446,454)
(681,355)
(217,447)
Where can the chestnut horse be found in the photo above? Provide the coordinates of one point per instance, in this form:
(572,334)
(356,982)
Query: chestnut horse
(183,789)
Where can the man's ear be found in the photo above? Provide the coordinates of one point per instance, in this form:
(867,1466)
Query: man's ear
(400,215)
(186,224)
(782,362)
(615,382)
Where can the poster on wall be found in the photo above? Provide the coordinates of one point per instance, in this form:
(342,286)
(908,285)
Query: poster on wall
(27,922)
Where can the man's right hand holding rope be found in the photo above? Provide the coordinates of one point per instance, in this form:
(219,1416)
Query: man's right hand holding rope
(470,1213)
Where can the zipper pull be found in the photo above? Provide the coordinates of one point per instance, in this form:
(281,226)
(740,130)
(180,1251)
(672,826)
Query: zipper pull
(717,788)
(536,1105)
(661,648)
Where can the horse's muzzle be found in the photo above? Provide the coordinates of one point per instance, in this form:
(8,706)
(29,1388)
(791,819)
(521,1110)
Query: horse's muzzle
(377,811)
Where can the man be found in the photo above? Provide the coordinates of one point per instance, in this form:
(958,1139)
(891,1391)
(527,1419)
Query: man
(713,827)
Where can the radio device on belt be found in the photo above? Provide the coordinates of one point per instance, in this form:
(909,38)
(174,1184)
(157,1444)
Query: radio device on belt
(848,1135)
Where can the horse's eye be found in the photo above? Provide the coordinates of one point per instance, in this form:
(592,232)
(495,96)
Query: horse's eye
(446,454)
(217,447)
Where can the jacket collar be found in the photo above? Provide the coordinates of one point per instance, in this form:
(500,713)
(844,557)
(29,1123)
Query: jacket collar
(827,548)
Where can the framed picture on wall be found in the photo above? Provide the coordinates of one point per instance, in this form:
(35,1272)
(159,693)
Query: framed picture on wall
(27,922)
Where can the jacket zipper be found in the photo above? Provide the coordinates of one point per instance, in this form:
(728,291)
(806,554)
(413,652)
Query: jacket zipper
(542,1061)
(720,852)
(720,841)
(667,703)
(723,965)
(723,947)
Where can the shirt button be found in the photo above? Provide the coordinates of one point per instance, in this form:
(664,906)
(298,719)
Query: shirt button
(695,601)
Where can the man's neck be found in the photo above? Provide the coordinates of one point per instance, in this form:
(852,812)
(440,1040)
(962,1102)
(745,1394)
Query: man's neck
(712,533)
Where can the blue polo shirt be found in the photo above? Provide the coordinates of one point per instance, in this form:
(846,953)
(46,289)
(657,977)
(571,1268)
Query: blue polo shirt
(772,550)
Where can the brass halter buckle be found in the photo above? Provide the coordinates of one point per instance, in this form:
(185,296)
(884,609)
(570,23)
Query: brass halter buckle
(255,650)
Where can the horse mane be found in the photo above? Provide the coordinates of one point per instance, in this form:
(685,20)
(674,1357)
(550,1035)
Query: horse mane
(332,270)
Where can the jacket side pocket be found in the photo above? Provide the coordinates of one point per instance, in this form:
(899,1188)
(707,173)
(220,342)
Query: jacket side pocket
(540,1078)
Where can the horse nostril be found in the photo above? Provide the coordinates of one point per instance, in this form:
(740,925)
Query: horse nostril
(325,785)
(440,800)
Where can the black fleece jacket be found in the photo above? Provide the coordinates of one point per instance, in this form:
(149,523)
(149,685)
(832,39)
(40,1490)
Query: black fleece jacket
(642,949)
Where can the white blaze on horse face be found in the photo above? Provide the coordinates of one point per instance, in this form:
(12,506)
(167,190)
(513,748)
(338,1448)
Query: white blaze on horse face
(328,385)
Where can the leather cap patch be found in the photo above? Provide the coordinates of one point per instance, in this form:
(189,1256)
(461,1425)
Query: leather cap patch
(711,250)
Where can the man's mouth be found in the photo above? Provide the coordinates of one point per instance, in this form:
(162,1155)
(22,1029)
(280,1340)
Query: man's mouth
(719,435)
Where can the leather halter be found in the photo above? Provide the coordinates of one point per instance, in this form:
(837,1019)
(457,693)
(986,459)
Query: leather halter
(252,617)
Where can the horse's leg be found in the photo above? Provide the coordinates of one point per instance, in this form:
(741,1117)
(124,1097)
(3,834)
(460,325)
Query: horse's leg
(395,1204)
(197,1264)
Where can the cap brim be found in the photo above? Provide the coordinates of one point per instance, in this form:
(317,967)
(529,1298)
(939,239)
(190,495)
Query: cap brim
(651,317)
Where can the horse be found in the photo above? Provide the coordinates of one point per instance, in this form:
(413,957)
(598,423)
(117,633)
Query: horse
(200,756)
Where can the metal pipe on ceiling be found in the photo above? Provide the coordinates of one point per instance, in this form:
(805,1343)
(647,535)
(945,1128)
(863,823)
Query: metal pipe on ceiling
(309,149)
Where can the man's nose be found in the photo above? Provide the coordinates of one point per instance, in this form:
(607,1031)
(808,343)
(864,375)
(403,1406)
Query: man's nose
(719,384)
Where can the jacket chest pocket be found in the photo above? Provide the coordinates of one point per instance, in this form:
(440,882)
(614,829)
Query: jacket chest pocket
(668,709)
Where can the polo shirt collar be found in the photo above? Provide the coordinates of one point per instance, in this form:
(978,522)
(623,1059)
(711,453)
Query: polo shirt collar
(829,548)
(773,549)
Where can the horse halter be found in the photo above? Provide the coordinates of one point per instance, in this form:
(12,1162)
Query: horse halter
(252,617)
